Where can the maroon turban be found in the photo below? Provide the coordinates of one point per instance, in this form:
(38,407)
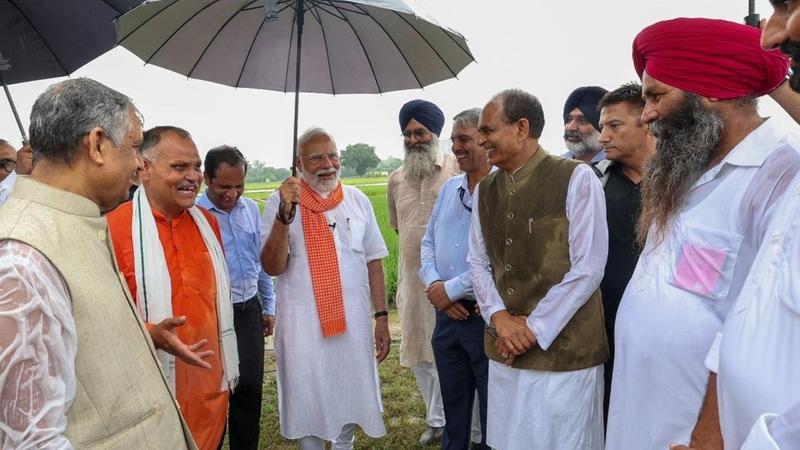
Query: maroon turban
(708,57)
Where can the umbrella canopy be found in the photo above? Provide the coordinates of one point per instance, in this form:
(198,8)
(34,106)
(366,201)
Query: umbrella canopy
(52,38)
(356,46)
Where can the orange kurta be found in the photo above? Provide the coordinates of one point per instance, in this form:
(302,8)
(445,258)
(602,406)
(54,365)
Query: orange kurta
(191,273)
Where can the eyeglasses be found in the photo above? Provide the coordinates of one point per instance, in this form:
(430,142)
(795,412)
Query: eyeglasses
(419,133)
(316,158)
(8,164)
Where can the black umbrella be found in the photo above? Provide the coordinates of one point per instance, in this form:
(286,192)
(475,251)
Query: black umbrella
(340,46)
(42,39)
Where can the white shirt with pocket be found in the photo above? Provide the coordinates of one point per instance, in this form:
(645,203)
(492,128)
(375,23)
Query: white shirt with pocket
(683,288)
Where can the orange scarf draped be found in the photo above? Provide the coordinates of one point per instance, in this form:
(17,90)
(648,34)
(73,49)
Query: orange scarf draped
(325,277)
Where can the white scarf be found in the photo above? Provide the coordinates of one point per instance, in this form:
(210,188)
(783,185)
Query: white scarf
(154,289)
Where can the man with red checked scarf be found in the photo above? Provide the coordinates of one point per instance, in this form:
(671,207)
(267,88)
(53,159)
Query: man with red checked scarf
(327,260)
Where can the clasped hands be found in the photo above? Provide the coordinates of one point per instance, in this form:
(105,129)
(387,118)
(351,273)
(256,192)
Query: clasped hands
(513,335)
(437,296)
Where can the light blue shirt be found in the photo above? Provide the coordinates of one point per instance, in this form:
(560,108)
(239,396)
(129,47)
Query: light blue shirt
(242,244)
(446,241)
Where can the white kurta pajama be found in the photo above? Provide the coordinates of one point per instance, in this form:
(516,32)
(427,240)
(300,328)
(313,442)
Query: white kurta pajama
(531,409)
(758,361)
(682,290)
(326,383)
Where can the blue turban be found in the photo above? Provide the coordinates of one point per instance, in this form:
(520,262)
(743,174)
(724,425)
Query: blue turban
(585,99)
(424,112)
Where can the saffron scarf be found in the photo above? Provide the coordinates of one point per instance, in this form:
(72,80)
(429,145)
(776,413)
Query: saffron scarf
(323,261)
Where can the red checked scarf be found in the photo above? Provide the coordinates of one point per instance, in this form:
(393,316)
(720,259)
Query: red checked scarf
(325,277)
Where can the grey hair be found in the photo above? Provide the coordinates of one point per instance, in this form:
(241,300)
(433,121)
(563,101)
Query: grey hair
(153,136)
(468,118)
(310,134)
(67,111)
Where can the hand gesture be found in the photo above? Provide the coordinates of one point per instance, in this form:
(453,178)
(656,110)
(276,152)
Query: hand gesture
(165,338)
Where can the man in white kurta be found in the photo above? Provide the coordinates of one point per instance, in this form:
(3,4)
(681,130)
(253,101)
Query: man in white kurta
(327,385)
(757,364)
(560,406)
(695,262)
(411,194)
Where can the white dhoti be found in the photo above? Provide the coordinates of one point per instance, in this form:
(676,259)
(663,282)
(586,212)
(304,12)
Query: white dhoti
(535,410)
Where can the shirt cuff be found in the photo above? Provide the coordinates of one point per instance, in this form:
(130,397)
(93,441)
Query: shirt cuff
(451,287)
(538,330)
(759,437)
(490,311)
(712,358)
(429,276)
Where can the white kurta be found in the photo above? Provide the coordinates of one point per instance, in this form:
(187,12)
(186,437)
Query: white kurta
(410,206)
(759,355)
(38,347)
(324,384)
(530,409)
(682,290)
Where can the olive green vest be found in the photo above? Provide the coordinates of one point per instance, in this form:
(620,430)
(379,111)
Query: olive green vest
(524,224)
(122,400)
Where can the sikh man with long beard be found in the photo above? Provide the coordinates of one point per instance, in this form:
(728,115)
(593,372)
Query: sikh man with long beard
(328,263)
(707,198)
(412,193)
(756,362)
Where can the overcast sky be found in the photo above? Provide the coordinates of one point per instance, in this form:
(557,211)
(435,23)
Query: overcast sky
(545,47)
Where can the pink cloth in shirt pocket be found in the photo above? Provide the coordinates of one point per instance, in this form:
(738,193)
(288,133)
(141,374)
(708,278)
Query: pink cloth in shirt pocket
(704,261)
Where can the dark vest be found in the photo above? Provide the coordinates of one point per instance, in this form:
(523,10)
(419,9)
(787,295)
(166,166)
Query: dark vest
(524,224)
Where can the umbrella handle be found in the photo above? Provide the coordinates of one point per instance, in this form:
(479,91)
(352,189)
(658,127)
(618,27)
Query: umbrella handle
(282,213)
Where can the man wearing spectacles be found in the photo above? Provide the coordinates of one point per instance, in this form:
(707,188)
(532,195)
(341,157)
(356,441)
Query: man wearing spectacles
(411,195)
(581,129)
(458,334)
(8,162)
(328,264)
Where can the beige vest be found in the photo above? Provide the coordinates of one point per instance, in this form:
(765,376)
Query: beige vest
(122,400)
(524,224)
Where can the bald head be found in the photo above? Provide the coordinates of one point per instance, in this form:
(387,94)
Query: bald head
(8,159)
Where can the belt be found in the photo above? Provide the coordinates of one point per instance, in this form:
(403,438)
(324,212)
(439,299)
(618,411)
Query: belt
(244,304)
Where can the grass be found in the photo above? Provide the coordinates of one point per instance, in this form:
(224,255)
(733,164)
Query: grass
(403,409)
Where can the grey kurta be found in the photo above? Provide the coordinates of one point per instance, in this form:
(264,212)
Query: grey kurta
(410,207)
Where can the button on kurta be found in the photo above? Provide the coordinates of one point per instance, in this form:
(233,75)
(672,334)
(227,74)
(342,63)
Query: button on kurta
(509,241)
(511,291)
(507,267)
(101,235)
(510,215)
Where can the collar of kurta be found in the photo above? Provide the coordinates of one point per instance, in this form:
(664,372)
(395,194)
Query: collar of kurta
(528,168)
(27,188)
(160,217)
(754,149)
